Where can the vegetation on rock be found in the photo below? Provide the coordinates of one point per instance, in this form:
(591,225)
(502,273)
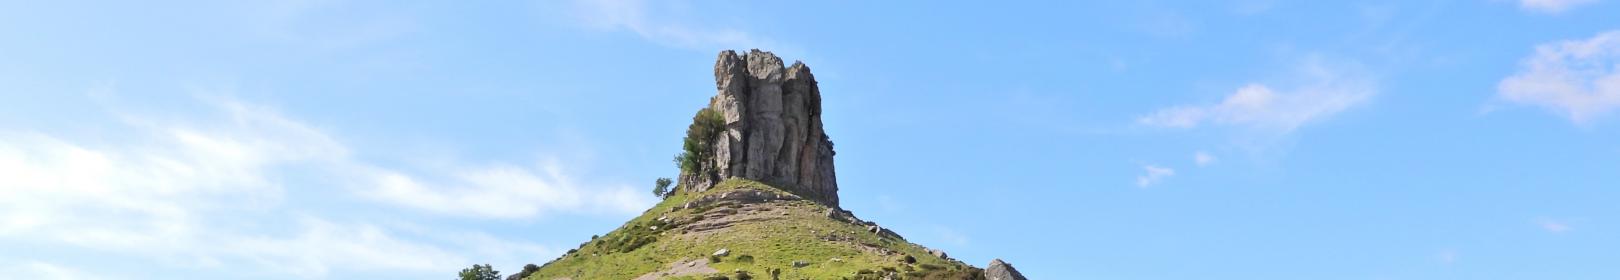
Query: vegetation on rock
(697,153)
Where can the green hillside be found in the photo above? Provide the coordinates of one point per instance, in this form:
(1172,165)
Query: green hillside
(769,233)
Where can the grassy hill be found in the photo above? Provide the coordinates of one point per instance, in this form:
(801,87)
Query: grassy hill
(769,233)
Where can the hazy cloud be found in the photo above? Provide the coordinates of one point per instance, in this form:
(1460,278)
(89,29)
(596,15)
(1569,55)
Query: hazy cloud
(1552,6)
(1554,226)
(44,271)
(1203,159)
(641,18)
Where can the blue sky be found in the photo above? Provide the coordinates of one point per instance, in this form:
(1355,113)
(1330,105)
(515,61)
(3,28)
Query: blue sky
(1132,140)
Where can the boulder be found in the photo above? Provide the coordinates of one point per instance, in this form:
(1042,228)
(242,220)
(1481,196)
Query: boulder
(1000,270)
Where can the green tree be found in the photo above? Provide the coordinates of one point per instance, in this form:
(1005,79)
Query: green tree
(700,137)
(480,272)
(661,187)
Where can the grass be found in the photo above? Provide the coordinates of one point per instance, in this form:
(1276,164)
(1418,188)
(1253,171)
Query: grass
(638,248)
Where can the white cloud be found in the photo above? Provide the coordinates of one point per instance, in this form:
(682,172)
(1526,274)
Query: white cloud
(634,16)
(1326,92)
(1579,79)
(1203,159)
(1153,174)
(218,194)
(1552,6)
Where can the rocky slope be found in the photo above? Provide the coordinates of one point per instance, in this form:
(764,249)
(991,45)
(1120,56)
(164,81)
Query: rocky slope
(758,229)
(759,200)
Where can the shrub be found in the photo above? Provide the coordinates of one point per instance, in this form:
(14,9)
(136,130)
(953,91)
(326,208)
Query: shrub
(743,275)
(745,259)
(527,270)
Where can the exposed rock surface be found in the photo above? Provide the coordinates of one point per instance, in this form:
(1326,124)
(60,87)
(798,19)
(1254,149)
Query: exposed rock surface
(1000,270)
(773,127)
(735,197)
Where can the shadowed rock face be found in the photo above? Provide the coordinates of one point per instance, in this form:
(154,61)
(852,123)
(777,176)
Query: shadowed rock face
(773,126)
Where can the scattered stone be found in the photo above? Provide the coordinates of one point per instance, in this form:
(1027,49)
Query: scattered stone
(798,264)
(1000,270)
(722,252)
(737,198)
(938,253)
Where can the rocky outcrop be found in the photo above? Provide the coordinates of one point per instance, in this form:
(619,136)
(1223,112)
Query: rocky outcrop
(999,270)
(773,127)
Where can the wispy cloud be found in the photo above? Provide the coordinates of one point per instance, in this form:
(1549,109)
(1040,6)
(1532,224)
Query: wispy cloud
(1325,92)
(1203,159)
(1447,256)
(1554,226)
(1153,175)
(1578,79)
(952,236)
(1552,6)
(639,17)
(502,191)
(175,192)
(44,271)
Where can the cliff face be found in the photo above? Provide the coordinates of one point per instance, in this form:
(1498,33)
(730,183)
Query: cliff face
(773,127)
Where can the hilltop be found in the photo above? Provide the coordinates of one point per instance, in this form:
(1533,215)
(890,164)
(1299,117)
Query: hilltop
(757,198)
